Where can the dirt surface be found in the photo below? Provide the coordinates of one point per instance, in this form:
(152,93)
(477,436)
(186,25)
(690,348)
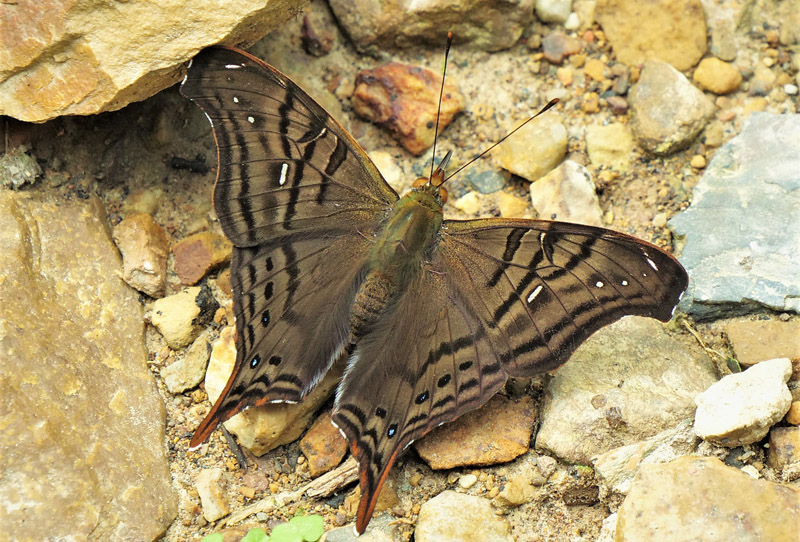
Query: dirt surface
(124,155)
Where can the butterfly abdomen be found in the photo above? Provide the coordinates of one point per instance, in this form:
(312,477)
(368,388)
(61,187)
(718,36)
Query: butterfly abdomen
(396,259)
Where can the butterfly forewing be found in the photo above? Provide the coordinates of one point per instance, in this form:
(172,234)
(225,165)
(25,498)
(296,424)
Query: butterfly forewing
(547,286)
(299,200)
(286,168)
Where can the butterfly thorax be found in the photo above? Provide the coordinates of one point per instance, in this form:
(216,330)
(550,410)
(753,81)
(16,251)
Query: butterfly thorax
(397,257)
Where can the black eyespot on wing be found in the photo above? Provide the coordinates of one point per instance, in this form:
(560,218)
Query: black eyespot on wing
(465,365)
(255,361)
(265,318)
(392,431)
(422,397)
(268,290)
(270,265)
(275,360)
(379,412)
(443,381)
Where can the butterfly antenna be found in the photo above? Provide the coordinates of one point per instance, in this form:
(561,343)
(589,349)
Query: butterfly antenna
(439,110)
(547,107)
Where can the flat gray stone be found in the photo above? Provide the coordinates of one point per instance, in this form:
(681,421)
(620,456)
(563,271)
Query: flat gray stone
(742,229)
(82,442)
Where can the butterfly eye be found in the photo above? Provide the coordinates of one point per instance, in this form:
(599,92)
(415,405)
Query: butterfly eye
(419,183)
(443,195)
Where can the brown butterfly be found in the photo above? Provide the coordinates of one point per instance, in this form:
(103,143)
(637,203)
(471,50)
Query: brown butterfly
(436,314)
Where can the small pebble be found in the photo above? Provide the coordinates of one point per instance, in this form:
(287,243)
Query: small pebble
(660,220)
(466,481)
(565,76)
(698,161)
(591,103)
(790,89)
(595,68)
(793,416)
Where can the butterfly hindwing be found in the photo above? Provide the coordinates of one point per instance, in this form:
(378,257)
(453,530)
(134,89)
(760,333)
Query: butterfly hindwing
(546,286)
(299,199)
(427,362)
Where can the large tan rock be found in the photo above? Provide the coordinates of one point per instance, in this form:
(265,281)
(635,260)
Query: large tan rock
(70,57)
(670,30)
(82,450)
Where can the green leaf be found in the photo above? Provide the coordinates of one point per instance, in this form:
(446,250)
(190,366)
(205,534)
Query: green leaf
(311,527)
(285,532)
(213,537)
(256,534)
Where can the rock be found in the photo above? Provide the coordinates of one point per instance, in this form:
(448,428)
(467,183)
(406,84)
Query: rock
(487,182)
(485,25)
(144,248)
(516,492)
(699,499)
(698,161)
(567,193)
(740,408)
(793,416)
(673,31)
(626,383)
(610,145)
(388,167)
(495,433)
(199,254)
(553,11)
(181,317)
(316,38)
(82,444)
(260,429)
(466,481)
(469,203)
(668,111)
(210,487)
(784,447)
(81,59)
(763,80)
(187,372)
(717,76)
(595,69)
(557,46)
(757,340)
(616,469)
(722,21)
(618,104)
(535,149)
(404,99)
(323,446)
(511,206)
(143,201)
(18,168)
(752,182)
(380,529)
(456,517)
(608,530)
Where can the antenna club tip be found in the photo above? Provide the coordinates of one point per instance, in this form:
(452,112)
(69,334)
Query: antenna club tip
(449,34)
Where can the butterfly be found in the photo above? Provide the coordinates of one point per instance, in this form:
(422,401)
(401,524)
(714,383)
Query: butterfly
(435,314)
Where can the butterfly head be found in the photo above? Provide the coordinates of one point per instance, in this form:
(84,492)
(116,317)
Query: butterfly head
(433,185)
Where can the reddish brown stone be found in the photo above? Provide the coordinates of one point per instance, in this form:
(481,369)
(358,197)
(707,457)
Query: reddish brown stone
(557,46)
(496,433)
(784,447)
(404,99)
(200,253)
(317,40)
(323,446)
(760,340)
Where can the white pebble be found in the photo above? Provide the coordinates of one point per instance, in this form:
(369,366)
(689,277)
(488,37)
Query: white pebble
(790,89)
(466,481)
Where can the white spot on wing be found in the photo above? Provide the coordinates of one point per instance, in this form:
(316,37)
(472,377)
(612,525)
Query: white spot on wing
(536,291)
(651,263)
(599,284)
(284,169)
(251,120)
(233,66)
(235,100)
(624,283)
